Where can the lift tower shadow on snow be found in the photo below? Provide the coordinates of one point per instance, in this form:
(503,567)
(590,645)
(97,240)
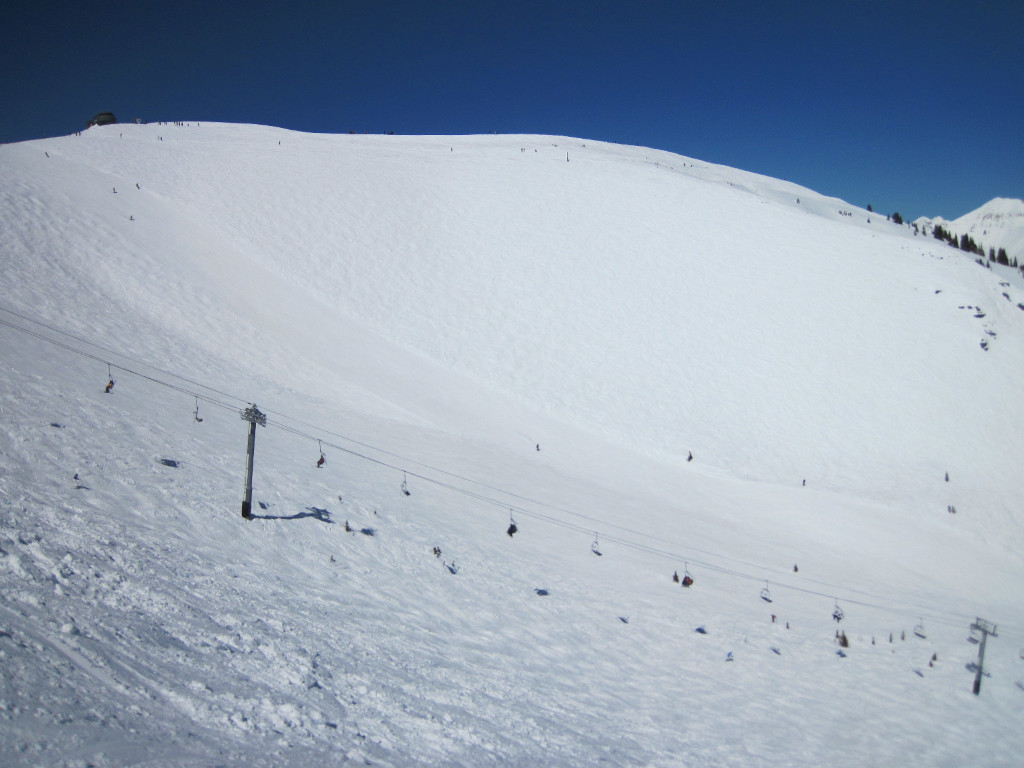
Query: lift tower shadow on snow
(254,416)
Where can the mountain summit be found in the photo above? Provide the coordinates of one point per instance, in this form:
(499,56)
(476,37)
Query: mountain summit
(999,223)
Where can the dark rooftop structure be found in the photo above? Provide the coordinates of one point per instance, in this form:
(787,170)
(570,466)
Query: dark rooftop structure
(103,118)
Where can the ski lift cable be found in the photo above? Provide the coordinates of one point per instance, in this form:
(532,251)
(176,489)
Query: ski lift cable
(63,345)
(879,602)
(937,615)
(123,368)
(454,488)
(486,486)
(522,498)
(440,483)
(106,350)
(408,461)
(292,429)
(942,617)
(240,400)
(438,470)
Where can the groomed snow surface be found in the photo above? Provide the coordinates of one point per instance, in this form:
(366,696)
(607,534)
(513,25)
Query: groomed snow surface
(526,328)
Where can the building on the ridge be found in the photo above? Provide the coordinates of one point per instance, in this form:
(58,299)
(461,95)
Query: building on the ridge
(103,118)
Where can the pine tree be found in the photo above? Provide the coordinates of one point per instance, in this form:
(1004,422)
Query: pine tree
(967,244)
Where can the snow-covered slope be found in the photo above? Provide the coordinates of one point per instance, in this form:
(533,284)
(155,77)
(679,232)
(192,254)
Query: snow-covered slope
(433,310)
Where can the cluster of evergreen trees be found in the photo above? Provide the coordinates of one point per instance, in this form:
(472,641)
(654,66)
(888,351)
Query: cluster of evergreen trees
(1001,257)
(967,243)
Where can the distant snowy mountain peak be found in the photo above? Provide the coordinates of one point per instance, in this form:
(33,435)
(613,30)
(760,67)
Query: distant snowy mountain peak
(1001,206)
(999,215)
(999,223)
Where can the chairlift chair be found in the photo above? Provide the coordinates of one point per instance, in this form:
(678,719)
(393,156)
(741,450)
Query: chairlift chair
(766,594)
(512,527)
(919,629)
(838,614)
(195,414)
(596,547)
(975,638)
(320,462)
(405,485)
(687,578)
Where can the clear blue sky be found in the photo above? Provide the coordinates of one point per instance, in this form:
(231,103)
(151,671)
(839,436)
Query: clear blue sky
(916,107)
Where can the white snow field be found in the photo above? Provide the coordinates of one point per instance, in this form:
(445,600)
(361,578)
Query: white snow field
(431,311)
